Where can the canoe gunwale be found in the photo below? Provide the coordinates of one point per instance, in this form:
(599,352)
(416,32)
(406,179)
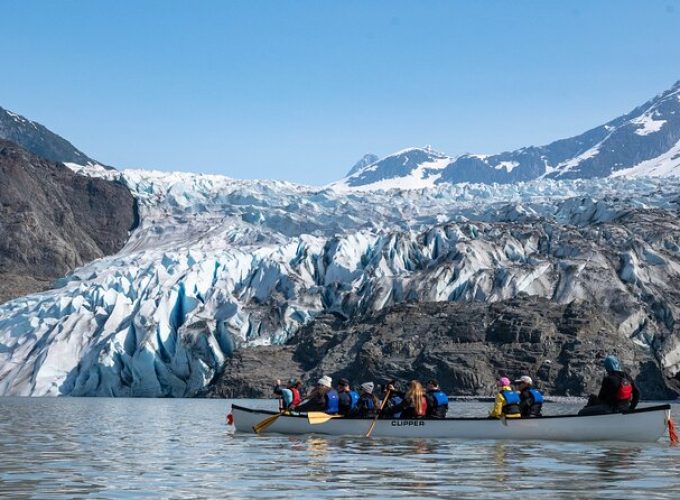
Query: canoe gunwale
(304,415)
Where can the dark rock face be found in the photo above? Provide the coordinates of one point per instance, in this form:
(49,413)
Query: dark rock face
(466,346)
(39,140)
(52,220)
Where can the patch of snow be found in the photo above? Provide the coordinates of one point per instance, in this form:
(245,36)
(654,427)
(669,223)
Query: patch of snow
(665,165)
(509,166)
(647,124)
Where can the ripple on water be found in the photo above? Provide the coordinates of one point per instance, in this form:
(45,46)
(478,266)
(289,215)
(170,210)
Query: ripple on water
(123,448)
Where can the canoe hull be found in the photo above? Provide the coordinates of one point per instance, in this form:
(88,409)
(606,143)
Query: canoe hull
(645,425)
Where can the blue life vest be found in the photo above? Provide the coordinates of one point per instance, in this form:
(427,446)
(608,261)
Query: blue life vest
(368,403)
(440,398)
(332,402)
(354,399)
(395,401)
(536,394)
(511,397)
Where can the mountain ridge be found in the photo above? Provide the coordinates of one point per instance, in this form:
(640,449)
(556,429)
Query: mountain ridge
(39,140)
(649,132)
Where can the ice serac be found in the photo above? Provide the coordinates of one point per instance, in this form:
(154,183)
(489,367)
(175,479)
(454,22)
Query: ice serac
(218,265)
(644,142)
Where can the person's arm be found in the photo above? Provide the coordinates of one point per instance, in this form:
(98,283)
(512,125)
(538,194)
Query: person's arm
(608,390)
(636,395)
(316,402)
(497,410)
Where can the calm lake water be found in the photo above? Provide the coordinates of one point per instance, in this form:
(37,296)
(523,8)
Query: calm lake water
(163,448)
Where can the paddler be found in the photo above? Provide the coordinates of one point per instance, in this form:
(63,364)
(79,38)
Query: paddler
(437,400)
(322,398)
(368,403)
(289,395)
(347,398)
(530,398)
(618,392)
(507,401)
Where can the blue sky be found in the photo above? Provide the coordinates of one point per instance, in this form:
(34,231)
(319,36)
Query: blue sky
(301,90)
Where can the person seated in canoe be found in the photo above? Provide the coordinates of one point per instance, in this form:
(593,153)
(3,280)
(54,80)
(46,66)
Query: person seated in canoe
(289,396)
(322,398)
(395,398)
(347,399)
(437,400)
(530,398)
(618,392)
(507,401)
(368,403)
(414,404)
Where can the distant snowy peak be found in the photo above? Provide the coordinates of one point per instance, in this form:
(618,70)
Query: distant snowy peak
(39,140)
(644,142)
(410,168)
(365,161)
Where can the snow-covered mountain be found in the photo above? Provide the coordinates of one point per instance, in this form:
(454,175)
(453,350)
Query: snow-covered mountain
(39,140)
(217,264)
(645,141)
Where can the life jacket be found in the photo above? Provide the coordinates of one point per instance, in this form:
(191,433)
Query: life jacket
(332,402)
(368,403)
(354,399)
(625,390)
(396,401)
(536,394)
(296,396)
(440,398)
(511,406)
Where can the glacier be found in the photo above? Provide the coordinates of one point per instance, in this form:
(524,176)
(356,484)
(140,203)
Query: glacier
(218,264)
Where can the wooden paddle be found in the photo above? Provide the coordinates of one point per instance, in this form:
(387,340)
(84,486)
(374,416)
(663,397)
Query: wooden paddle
(377,415)
(319,417)
(262,425)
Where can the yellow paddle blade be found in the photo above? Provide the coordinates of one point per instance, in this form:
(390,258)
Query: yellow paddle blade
(319,417)
(260,426)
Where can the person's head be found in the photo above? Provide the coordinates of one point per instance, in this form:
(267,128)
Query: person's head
(612,364)
(367,388)
(503,382)
(293,382)
(432,385)
(324,384)
(343,385)
(523,382)
(415,394)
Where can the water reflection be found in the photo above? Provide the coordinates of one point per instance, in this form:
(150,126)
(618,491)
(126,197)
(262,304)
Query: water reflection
(74,448)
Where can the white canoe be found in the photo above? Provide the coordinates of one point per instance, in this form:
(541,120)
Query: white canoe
(642,425)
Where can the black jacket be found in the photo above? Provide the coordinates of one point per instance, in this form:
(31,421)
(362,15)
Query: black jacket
(610,387)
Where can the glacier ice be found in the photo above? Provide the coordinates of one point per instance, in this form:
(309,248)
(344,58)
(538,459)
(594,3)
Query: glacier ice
(217,264)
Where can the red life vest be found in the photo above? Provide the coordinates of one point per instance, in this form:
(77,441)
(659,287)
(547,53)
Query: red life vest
(296,396)
(625,391)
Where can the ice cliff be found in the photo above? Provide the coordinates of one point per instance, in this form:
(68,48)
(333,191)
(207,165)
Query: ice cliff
(217,263)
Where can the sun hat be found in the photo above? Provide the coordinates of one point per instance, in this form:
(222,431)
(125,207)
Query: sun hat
(503,381)
(526,379)
(368,387)
(326,381)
